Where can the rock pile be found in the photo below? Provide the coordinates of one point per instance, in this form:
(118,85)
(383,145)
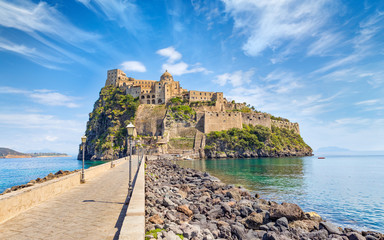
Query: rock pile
(50,176)
(188,204)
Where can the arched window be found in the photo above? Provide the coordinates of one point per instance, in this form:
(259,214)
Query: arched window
(153,96)
(159,101)
(153,101)
(148,101)
(148,96)
(142,97)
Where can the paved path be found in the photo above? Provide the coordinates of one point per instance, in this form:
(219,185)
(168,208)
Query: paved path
(93,210)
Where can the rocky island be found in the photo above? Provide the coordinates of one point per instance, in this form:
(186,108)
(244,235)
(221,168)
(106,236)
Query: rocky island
(170,119)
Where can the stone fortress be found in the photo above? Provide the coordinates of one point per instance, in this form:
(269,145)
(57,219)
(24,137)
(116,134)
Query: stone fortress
(157,92)
(217,116)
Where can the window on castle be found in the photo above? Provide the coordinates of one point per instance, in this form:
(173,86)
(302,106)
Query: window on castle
(148,96)
(148,101)
(160,101)
(153,101)
(200,93)
(142,97)
(153,96)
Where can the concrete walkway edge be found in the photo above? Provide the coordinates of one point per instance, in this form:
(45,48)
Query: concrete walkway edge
(133,227)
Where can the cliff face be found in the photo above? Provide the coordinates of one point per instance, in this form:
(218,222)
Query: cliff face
(111,114)
(255,141)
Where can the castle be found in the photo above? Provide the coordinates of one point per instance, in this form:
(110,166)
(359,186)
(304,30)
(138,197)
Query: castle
(157,92)
(222,115)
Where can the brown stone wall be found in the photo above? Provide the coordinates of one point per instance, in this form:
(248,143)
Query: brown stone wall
(257,119)
(218,121)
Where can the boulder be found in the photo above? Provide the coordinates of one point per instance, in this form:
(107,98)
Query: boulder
(184,209)
(156,219)
(307,225)
(355,236)
(283,222)
(313,216)
(239,231)
(289,210)
(332,229)
(253,221)
(233,193)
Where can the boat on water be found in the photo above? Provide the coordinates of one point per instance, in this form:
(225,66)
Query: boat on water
(321,158)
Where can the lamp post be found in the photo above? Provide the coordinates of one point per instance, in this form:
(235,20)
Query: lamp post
(113,152)
(130,130)
(138,151)
(83,140)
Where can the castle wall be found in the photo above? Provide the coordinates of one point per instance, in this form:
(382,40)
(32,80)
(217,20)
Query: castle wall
(134,91)
(288,125)
(195,96)
(257,119)
(218,121)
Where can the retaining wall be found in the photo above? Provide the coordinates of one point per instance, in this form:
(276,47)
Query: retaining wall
(14,203)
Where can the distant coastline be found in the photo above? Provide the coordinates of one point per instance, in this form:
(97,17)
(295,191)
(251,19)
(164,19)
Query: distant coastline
(6,153)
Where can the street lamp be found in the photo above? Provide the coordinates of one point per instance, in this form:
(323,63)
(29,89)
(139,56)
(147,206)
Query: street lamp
(113,152)
(130,130)
(83,140)
(138,150)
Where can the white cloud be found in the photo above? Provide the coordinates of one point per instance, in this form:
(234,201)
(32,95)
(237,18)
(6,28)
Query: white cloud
(325,44)
(271,24)
(44,97)
(368,102)
(125,13)
(236,79)
(51,138)
(175,66)
(37,130)
(39,121)
(133,66)
(48,27)
(170,53)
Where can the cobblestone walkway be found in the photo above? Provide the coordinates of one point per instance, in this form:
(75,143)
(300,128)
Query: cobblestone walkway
(89,211)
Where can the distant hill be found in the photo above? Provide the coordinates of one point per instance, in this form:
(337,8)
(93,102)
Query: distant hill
(9,153)
(333,149)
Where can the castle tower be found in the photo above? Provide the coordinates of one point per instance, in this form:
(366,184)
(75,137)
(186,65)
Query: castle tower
(166,77)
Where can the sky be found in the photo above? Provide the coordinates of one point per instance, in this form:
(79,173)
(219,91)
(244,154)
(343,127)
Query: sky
(316,62)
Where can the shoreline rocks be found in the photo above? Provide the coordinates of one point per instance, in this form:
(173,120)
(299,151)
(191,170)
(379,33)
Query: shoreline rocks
(50,176)
(188,204)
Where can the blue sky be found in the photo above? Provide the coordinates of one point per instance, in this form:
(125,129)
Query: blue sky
(316,62)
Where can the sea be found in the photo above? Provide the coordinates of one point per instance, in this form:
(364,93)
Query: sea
(17,171)
(345,190)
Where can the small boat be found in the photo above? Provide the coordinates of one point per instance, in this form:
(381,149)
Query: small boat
(321,158)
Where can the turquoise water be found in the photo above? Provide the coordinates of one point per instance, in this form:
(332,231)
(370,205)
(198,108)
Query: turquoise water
(17,171)
(346,190)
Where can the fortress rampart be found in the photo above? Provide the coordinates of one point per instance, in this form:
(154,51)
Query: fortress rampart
(218,121)
(257,119)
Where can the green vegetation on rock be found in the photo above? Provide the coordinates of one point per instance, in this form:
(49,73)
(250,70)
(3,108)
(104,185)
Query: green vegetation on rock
(256,140)
(112,112)
(279,119)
